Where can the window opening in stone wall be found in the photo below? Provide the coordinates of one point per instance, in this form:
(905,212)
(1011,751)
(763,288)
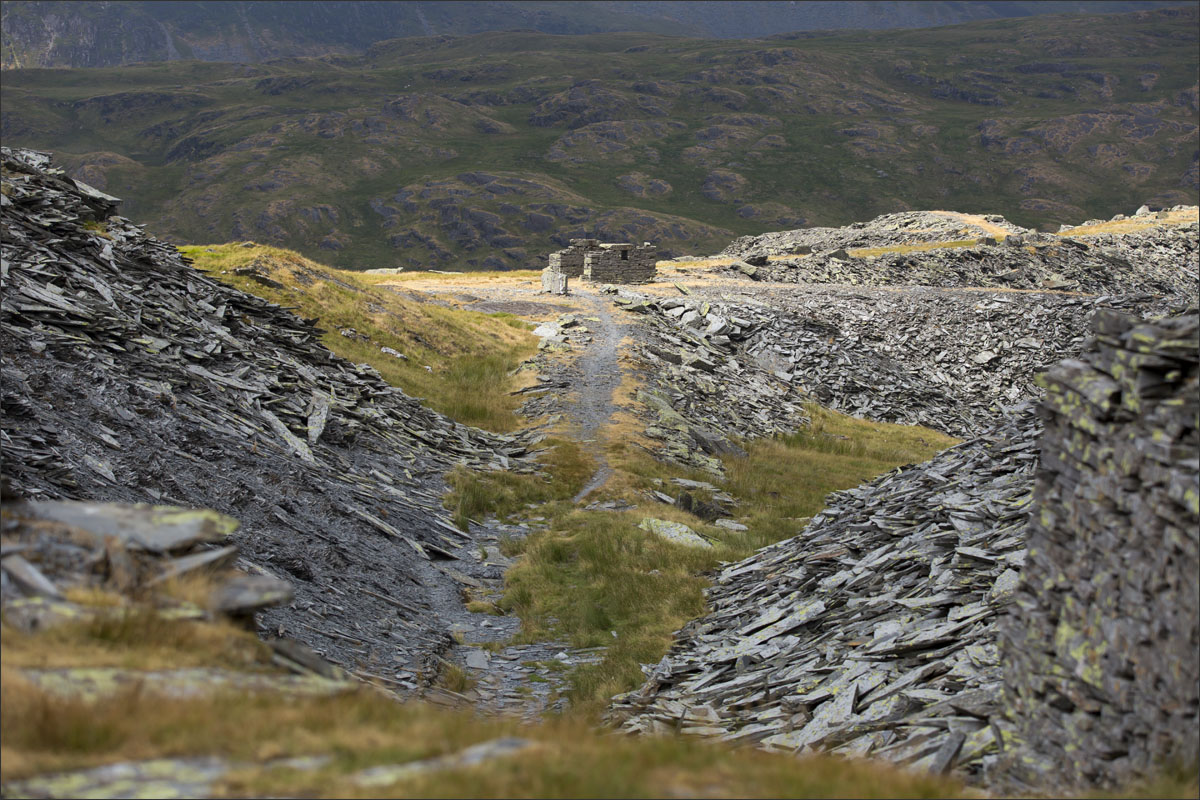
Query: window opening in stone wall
(624,255)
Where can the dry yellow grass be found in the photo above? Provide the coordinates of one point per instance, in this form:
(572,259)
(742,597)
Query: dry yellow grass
(867,252)
(45,733)
(470,355)
(1135,224)
(457,279)
(134,637)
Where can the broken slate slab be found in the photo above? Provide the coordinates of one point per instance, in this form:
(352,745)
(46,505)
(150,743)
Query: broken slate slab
(675,532)
(158,529)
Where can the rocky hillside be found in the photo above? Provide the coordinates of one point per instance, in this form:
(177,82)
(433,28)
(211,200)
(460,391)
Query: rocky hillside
(69,34)
(486,151)
(129,376)
(887,626)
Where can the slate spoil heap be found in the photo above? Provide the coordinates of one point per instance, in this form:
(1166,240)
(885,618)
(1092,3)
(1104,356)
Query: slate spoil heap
(947,359)
(1100,646)
(905,623)
(1158,261)
(873,631)
(128,376)
(903,228)
(700,389)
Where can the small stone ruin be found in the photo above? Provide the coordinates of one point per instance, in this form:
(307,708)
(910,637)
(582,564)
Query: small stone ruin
(1100,646)
(599,263)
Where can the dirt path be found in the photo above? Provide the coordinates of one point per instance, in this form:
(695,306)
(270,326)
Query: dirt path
(600,376)
(976,220)
(528,680)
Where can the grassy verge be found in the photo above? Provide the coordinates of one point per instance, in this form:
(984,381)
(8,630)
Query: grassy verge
(47,732)
(359,731)
(459,362)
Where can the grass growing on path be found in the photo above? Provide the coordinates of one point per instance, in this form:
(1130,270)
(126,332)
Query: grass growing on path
(474,495)
(592,574)
(470,356)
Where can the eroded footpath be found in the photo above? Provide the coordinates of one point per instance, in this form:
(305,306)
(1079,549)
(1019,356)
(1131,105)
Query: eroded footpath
(578,373)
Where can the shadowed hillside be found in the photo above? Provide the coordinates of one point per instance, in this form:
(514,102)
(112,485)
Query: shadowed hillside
(73,34)
(484,152)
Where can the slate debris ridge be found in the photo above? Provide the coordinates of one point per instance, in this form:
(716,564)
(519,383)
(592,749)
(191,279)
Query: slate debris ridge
(129,376)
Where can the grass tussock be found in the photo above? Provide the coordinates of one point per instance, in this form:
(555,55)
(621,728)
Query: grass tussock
(134,637)
(455,678)
(470,356)
(474,495)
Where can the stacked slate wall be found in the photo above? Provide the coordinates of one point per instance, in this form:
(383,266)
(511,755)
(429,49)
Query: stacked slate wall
(1100,650)
(621,263)
(569,260)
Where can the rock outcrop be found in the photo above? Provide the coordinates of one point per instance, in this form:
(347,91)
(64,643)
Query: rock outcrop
(128,376)
(1100,647)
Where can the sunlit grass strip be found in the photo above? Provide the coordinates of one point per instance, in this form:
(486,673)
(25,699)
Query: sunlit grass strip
(866,252)
(455,278)
(470,356)
(1134,224)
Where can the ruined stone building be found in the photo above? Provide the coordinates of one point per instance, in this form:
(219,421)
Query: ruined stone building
(599,263)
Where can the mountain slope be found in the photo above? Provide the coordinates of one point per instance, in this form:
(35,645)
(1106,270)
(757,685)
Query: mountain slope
(73,34)
(486,151)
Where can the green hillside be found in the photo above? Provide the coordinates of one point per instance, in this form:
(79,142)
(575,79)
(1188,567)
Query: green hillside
(486,151)
(69,33)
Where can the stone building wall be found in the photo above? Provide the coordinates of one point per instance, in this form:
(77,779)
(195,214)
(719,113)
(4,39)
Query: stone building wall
(620,263)
(569,260)
(1100,650)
